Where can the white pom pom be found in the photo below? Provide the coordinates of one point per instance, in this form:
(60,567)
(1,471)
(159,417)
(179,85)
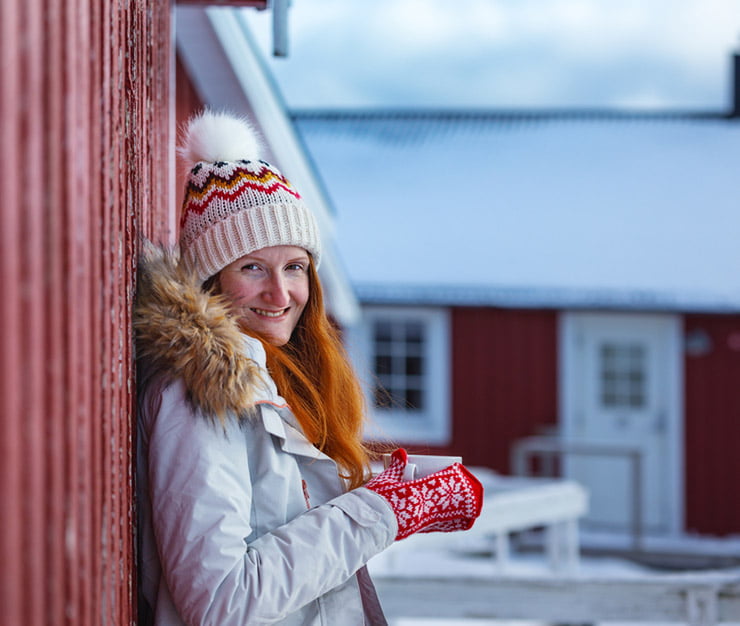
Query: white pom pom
(212,136)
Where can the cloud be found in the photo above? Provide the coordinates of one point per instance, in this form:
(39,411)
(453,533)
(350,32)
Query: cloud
(506,53)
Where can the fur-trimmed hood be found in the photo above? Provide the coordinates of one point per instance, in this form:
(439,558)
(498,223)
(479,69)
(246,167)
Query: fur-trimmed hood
(183,332)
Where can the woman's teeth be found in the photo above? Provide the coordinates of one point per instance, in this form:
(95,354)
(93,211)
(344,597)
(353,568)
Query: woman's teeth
(269,313)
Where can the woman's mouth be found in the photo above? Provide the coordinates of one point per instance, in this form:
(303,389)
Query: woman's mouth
(265,313)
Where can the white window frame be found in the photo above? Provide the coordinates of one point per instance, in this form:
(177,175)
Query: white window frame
(432,425)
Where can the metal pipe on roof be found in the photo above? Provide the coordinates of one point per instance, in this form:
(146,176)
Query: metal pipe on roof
(280,28)
(736,85)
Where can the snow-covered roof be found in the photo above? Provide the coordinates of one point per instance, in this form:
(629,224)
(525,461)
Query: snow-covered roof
(553,209)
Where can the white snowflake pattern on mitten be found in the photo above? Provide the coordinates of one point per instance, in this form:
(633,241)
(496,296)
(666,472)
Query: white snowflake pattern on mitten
(446,501)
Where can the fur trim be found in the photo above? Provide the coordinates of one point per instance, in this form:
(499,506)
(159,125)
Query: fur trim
(213,137)
(183,332)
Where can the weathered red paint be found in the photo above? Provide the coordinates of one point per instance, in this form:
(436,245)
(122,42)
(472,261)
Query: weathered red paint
(86,147)
(712,426)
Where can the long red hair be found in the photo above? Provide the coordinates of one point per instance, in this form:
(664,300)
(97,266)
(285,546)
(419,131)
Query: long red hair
(313,373)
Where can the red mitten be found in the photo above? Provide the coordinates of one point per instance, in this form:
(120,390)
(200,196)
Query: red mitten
(445,501)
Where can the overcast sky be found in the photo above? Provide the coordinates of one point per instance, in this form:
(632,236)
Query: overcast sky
(506,53)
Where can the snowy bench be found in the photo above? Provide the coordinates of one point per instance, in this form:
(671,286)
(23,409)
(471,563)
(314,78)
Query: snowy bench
(513,504)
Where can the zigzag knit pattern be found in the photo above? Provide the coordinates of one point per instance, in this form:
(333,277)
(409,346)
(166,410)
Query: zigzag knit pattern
(216,190)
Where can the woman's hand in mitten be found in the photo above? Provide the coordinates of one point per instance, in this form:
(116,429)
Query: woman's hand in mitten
(448,500)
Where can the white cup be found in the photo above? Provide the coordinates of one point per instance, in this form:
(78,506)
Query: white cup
(420,465)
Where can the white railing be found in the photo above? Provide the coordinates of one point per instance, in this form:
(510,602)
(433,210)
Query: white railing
(550,448)
(694,598)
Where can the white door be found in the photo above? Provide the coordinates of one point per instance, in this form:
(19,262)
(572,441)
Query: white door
(621,380)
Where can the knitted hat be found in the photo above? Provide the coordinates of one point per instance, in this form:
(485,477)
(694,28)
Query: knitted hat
(236,203)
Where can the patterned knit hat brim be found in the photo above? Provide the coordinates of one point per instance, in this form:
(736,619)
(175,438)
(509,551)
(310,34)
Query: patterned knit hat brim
(245,232)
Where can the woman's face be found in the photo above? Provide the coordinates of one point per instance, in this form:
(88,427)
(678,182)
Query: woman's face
(269,290)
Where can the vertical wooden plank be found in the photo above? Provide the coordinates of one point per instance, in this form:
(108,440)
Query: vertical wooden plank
(127,38)
(11,587)
(132,100)
(33,264)
(104,194)
(97,287)
(129,187)
(123,213)
(73,303)
(52,130)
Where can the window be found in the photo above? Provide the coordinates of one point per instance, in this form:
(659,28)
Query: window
(623,375)
(399,363)
(402,356)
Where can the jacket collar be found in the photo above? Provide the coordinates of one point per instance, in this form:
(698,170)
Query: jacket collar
(277,417)
(280,422)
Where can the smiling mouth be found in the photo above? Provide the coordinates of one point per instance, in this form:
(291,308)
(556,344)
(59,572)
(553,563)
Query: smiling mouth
(264,313)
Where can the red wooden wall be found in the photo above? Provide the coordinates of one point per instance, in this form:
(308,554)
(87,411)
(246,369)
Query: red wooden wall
(504,381)
(712,430)
(84,141)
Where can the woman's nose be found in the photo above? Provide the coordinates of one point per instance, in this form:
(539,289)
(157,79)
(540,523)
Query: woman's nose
(277,290)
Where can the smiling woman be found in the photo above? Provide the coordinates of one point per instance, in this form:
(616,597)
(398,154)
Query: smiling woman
(254,500)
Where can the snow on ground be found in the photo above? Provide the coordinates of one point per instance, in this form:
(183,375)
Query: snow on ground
(421,563)
(425,621)
(425,559)
(412,621)
(471,556)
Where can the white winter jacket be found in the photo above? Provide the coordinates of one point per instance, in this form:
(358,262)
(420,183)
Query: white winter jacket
(245,522)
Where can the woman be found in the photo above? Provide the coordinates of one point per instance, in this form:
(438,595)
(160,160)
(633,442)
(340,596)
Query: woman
(254,506)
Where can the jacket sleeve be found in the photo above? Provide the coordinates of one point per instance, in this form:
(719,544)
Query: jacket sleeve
(200,493)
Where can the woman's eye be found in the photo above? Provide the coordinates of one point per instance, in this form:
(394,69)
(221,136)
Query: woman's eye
(295,266)
(250,267)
